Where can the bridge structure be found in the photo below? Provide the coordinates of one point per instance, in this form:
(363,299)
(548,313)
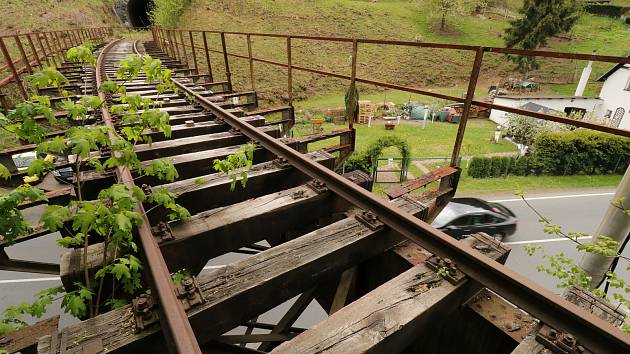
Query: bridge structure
(388,281)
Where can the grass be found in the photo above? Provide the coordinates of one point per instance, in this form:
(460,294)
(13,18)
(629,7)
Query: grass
(435,140)
(436,69)
(480,186)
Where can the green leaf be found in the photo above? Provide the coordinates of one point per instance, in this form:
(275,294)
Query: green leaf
(603,246)
(163,169)
(39,167)
(4,172)
(74,304)
(54,217)
(120,271)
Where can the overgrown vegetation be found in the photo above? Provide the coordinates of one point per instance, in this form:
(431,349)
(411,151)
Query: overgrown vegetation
(113,216)
(167,12)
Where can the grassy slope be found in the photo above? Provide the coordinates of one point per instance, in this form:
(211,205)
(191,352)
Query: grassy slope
(406,20)
(44,15)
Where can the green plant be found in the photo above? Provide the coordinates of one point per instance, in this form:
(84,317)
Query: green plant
(237,162)
(564,268)
(113,217)
(13,315)
(366,159)
(166,12)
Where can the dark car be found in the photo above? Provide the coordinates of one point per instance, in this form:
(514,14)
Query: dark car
(464,216)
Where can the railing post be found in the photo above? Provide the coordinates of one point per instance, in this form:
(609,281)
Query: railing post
(18,42)
(58,42)
(470,93)
(181,39)
(205,48)
(51,48)
(179,57)
(289,72)
(32,45)
(226,61)
(353,78)
(252,79)
(192,49)
(16,76)
(41,45)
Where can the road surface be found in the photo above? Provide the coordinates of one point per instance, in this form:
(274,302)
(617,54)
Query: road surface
(575,211)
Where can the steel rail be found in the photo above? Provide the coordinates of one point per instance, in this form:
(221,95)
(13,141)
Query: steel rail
(175,324)
(596,334)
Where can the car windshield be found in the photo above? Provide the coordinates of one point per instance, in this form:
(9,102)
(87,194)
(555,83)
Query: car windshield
(446,216)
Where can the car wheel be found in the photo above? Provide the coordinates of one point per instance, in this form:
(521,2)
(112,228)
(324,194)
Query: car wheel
(498,236)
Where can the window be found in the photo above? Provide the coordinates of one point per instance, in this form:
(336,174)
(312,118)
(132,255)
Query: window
(461,221)
(616,120)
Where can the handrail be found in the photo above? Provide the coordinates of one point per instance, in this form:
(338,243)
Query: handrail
(43,47)
(171,40)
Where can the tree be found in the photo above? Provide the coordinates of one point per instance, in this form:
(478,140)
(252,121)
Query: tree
(541,19)
(447,7)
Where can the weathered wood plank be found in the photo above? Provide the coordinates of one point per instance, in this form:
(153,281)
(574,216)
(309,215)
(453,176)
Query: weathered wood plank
(26,338)
(166,148)
(392,316)
(420,182)
(222,230)
(244,289)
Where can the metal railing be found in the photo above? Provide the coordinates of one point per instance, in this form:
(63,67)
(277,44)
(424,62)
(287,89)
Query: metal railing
(176,42)
(24,52)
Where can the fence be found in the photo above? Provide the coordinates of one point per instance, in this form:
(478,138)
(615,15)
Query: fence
(178,42)
(24,52)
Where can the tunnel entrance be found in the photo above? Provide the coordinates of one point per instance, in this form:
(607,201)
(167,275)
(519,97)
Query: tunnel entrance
(138,11)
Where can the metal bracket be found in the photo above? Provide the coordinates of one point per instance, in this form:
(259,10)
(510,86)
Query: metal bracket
(318,186)
(281,162)
(189,293)
(146,189)
(369,219)
(452,274)
(143,313)
(163,231)
(234,131)
(559,342)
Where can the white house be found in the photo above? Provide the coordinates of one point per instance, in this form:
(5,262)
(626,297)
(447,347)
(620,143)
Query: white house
(615,95)
(544,104)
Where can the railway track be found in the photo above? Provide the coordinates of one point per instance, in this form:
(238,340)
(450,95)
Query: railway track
(307,231)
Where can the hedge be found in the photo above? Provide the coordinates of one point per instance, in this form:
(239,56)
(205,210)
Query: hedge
(364,160)
(561,153)
(614,11)
(499,166)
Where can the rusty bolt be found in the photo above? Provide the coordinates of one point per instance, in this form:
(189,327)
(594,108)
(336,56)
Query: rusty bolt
(552,334)
(142,303)
(187,283)
(568,340)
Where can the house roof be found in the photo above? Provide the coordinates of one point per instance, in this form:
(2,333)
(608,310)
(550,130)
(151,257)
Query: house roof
(533,97)
(612,71)
(535,107)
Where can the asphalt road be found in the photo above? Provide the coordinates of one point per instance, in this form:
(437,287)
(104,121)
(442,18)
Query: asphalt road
(575,210)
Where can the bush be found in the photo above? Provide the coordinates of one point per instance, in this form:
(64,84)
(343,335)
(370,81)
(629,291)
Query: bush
(561,153)
(166,12)
(580,152)
(498,166)
(614,11)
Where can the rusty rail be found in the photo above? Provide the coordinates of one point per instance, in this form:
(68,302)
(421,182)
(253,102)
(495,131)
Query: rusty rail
(175,325)
(167,38)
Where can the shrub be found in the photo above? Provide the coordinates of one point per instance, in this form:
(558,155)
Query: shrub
(166,12)
(561,153)
(580,152)
(614,11)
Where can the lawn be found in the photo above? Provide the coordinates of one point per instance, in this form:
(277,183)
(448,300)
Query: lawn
(436,140)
